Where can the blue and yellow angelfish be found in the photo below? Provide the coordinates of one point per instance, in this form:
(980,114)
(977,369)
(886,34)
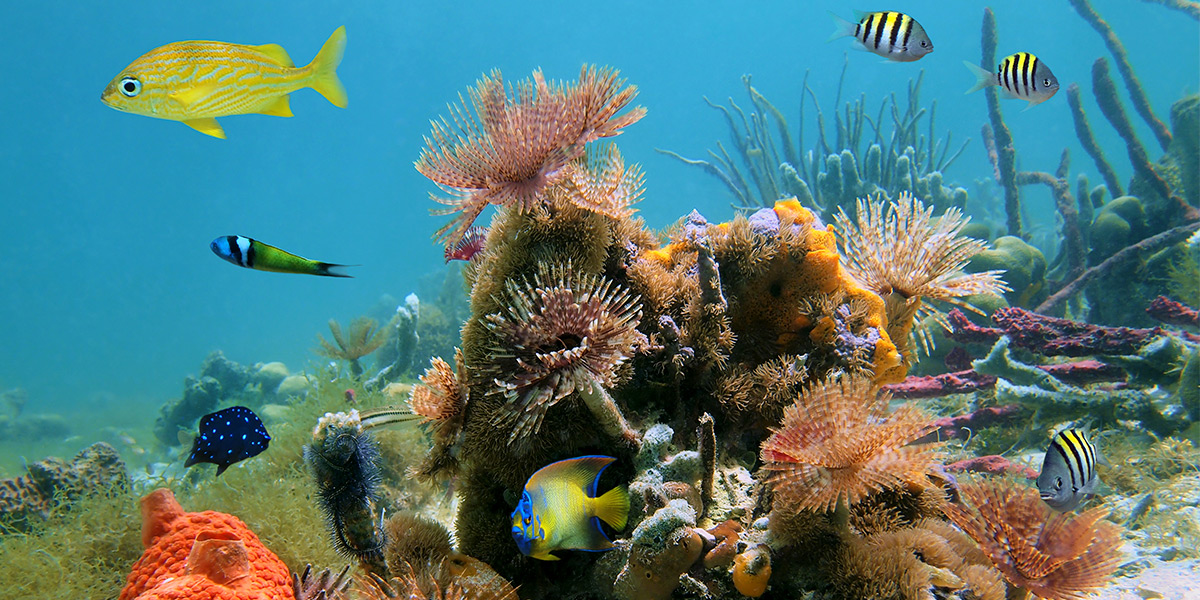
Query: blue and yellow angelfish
(559,509)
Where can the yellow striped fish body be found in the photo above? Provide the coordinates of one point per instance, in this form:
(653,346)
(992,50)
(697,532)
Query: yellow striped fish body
(1068,470)
(1021,75)
(195,82)
(892,35)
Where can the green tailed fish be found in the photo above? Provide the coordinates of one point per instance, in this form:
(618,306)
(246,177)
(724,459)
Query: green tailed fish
(253,254)
(559,509)
(1068,471)
(197,81)
(1021,75)
(892,35)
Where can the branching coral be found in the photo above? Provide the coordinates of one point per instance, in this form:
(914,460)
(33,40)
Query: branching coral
(558,334)
(838,443)
(519,141)
(1057,556)
(365,336)
(905,256)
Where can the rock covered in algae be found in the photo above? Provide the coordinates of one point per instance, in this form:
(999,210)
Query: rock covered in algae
(94,469)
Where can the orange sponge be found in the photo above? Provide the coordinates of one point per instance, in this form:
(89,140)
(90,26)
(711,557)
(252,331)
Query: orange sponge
(205,556)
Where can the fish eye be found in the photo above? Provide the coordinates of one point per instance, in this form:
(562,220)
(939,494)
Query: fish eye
(924,43)
(1045,83)
(1058,483)
(130,87)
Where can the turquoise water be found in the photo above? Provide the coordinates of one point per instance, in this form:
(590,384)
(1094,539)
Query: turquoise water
(111,296)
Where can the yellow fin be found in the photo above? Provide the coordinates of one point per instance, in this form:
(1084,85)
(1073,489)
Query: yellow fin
(277,54)
(189,96)
(578,473)
(207,126)
(613,507)
(278,108)
(324,68)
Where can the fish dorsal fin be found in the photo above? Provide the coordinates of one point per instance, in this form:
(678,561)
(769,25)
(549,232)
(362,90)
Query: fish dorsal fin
(279,108)
(581,472)
(277,54)
(218,556)
(207,126)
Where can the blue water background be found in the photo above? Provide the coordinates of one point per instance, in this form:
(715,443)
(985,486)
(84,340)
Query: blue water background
(110,295)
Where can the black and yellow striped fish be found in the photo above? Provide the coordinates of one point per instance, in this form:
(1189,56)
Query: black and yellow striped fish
(1068,471)
(1021,75)
(892,35)
(253,254)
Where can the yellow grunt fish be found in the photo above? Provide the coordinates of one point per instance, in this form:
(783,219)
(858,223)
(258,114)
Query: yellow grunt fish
(195,82)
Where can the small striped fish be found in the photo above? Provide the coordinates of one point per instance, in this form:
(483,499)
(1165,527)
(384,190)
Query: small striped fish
(892,35)
(1068,470)
(195,82)
(1021,75)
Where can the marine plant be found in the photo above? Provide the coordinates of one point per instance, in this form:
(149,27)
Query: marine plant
(512,144)
(364,337)
(1057,556)
(860,159)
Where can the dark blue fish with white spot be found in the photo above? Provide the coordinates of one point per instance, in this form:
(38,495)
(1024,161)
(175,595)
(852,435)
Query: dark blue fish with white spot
(228,436)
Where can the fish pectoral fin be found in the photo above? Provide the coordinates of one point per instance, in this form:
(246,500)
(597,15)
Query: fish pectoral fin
(279,108)
(187,97)
(277,54)
(207,126)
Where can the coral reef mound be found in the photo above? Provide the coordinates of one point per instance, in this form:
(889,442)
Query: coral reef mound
(202,555)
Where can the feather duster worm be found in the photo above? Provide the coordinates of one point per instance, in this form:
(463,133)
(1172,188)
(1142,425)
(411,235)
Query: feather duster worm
(1057,556)
(838,442)
(519,141)
(905,256)
(558,334)
(440,400)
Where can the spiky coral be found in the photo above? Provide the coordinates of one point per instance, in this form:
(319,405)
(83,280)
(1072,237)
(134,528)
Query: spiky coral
(838,442)
(905,256)
(561,333)
(365,336)
(1057,556)
(519,141)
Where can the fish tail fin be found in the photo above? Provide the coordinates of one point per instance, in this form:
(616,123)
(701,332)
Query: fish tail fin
(842,28)
(983,78)
(332,270)
(613,507)
(324,68)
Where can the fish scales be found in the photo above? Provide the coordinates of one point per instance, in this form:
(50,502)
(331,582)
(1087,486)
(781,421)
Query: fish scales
(259,80)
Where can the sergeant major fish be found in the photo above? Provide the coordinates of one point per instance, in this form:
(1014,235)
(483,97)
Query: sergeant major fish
(892,35)
(253,254)
(197,81)
(1021,75)
(1068,470)
(559,509)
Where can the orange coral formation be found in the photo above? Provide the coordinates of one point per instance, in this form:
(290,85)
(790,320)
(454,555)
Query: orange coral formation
(205,555)
(514,147)
(1056,556)
(752,571)
(838,442)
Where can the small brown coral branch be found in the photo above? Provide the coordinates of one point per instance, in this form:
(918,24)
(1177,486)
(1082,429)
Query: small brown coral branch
(838,442)
(365,336)
(707,438)
(1057,556)
(511,144)
(1191,8)
(1136,93)
(1171,312)
(1073,244)
(1084,131)
(1006,154)
(1145,247)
